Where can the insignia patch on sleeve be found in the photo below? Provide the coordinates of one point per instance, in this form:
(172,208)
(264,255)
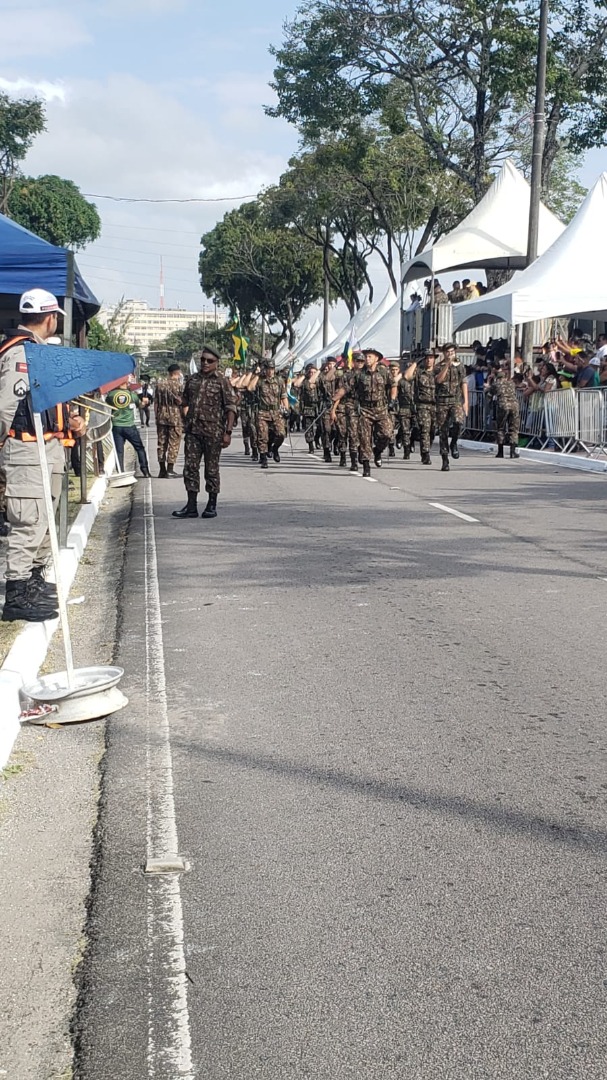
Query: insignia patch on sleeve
(20,388)
(22,367)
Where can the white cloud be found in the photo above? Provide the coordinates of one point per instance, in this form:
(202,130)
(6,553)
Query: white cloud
(40,88)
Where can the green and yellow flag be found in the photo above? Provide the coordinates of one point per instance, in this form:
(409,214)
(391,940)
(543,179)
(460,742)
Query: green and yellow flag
(241,343)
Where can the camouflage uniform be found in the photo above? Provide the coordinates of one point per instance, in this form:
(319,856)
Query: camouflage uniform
(270,423)
(328,384)
(169,426)
(208,398)
(248,417)
(449,406)
(503,391)
(350,403)
(374,424)
(309,407)
(424,393)
(405,400)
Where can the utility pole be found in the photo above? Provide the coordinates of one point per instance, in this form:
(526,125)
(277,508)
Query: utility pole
(327,294)
(539,131)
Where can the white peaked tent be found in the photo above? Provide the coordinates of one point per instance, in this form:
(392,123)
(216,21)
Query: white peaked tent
(284,355)
(385,305)
(350,332)
(385,333)
(568,279)
(492,236)
(315,342)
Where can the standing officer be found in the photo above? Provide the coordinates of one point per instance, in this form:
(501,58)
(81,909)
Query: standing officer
(424,393)
(501,388)
(370,388)
(209,409)
(169,426)
(451,403)
(271,397)
(28,595)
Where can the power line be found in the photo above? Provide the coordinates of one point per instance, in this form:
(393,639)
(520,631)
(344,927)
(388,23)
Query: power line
(147,255)
(150,228)
(124,198)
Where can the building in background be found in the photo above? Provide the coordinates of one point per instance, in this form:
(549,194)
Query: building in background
(144,324)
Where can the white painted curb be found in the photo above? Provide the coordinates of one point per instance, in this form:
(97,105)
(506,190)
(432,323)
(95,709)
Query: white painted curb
(544,457)
(29,650)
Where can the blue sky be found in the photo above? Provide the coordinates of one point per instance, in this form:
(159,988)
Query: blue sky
(159,99)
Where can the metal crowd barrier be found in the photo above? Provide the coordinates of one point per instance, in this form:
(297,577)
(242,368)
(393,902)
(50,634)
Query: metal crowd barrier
(566,420)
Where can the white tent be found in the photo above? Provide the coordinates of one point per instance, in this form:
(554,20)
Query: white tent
(568,279)
(385,333)
(492,236)
(315,342)
(284,355)
(350,332)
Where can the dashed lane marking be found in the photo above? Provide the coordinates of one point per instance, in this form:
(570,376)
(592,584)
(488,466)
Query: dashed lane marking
(456,513)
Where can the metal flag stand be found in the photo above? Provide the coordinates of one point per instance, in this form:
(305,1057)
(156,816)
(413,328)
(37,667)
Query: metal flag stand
(78,693)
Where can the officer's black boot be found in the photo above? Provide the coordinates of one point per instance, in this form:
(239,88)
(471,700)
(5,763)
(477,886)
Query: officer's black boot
(500,451)
(426,458)
(406,453)
(327,456)
(4,526)
(391,450)
(39,586)
(513,451)
(210,509)
(162,475)
(343,461)
(190,510)
(171,474)
(366,468)
(21,603)
(254,454)
(445,467)
(310,448)
(354,460)
(247,448)
(454,449)
(263,458)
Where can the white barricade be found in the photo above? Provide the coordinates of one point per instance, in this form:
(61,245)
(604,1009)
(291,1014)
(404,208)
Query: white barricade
(592,419)
(561,418)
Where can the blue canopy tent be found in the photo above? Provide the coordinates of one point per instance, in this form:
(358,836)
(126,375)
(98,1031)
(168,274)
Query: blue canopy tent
(28,262)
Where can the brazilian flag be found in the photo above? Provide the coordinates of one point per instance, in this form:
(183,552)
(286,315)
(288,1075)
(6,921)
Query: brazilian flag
(241,343)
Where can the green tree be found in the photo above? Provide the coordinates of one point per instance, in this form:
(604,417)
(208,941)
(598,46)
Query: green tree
(181,345)
(20,122)
(111,335)
(55,210)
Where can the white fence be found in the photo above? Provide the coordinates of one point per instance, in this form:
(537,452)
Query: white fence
(566,420)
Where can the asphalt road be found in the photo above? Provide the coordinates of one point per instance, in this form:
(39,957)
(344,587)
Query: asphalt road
(386,727)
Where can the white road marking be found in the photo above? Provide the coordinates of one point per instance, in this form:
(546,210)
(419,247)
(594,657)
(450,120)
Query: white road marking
(371,479)
(169,1039)
(456,513)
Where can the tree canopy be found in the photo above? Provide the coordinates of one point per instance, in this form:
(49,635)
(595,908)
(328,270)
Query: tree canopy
(55,210)
(20,122)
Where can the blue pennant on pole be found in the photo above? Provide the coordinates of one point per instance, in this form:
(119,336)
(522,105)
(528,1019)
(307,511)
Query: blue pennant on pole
(58,374)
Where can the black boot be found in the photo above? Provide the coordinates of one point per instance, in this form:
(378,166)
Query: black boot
(514,451)
(171,474)
(360,457)
(318,444)
(310,448)
(343,461)
(21,603)
(445,467)
(391,450)
(39,586)
(327,456)
(263,458)
(190,510)
(406,454)
(162,475)
(366,468)
(454,449)
(276,455)
(354,460)
(377,459)
(210,509)
(247,448)
(145,472)
(500,451)
(426,458)
(254,454)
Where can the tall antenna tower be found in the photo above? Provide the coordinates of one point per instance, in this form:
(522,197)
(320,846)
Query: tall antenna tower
(161,285)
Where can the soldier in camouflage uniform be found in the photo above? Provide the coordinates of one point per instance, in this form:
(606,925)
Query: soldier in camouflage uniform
(501,389)
(370,389)
(422,377)
(272,402)
(306,388)
(248,417)
(328,385)
(209,408)
(402,395)
(169,426)
(451,403)
(351,408)
(338,413)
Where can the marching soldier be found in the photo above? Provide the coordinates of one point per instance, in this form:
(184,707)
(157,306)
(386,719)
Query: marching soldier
(272,398)
(424,394)
(370,389)
(327,387)
(169,424)
(209,409)
(248,418)
(306,387)
(403,395)
(502,389)
(350,403)
(28,595)
(451,403)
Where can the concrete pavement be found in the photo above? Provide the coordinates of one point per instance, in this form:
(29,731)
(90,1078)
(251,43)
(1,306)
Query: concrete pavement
(376,731)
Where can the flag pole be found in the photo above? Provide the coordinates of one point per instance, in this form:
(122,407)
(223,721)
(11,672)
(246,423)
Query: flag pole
(52,528)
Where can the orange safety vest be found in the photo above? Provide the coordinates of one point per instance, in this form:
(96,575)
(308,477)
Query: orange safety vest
(25,436)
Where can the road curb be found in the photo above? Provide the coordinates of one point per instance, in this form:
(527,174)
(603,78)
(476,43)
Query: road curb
(545,457)
(29,651)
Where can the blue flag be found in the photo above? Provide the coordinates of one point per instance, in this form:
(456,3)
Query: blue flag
(58,374)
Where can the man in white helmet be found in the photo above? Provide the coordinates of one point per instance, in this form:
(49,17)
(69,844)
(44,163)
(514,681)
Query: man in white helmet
(28,595)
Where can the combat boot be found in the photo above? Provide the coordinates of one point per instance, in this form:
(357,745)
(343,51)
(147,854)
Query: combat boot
(426,458)
(247,448)
(310,448)
(190,510)
(513,451)
(354,460)
(327,456)
(20,603)
(171,474)
(254,454)
(263,458)
(360,457)
(500,451)
(162,475)
(377,459)
(343,461)
(210,509)
(454,449)
(39,586)
(145,472)
(406,454)
(276,455)
(445,467)
(366,468)
(391,450)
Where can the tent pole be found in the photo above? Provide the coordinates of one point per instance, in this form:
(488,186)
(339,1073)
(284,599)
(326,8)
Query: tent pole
(52,528)
(512,348)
